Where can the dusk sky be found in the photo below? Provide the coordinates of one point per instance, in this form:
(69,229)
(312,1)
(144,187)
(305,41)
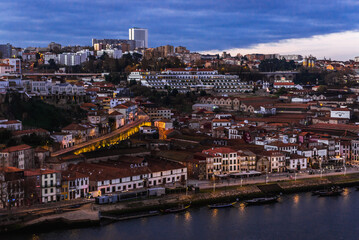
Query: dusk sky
(205,26)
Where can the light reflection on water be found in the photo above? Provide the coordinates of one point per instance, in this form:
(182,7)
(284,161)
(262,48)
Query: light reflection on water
(294,216)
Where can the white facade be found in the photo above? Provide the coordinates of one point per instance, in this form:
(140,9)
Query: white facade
(140,35)
(134,182)
(112,53)
(338,113)
(12,125)
(65,139)
(186,79)
(297,163)
(48,187)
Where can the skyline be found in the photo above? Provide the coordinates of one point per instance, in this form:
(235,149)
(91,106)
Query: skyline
(203,26)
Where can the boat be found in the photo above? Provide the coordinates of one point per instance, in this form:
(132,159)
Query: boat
(258,201)
(222,205)
(180,208)
(333,191)
(315,193)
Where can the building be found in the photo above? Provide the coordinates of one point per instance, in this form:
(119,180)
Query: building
(123,44)
(12,191)
(188,79)
(128,110)
(15,62)
(6,68)
(21,156)
(81,132)
(12,125)
(112,53)
(276,159)
(130,174)
(247,160)
(74,185)
(225,161)
(46,184)
(5,50)
(140,35)
(340,113)
(296,162)
(54,46)
(64,139)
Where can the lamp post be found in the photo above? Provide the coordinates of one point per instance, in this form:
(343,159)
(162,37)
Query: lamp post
(320,164)
(345,168)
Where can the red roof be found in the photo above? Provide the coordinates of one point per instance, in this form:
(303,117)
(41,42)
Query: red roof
(10,169)
(37,172)
(30,131)
(219,150)
(284,84)
(16,148)
(11,122)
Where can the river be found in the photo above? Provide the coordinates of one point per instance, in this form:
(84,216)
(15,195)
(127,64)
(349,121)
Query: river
(295,216)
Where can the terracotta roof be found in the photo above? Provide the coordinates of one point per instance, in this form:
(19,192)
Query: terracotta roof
(16,148)
(284,84)
(219,150)
(37,172)
(30,131)
(10,169)
(220,120)
(71,175)
(75,126)
(11,122)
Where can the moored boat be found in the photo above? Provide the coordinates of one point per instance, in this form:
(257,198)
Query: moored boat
(334,191)
(258,201)
(222,205)
(180,208)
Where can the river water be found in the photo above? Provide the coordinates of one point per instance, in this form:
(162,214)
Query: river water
(296,216)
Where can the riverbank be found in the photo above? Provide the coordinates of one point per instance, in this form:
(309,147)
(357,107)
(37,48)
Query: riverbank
(90,215)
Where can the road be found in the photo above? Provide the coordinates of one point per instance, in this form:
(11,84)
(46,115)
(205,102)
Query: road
(99,139)
(273,177)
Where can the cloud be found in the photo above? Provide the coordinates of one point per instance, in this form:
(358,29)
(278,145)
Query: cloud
(339,46)
(199,25)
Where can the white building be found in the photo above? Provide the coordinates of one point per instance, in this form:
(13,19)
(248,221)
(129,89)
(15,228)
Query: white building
(67,89)
(74,185)
(12,125)
(107,178)
(140,35)
(188,79)
(340,113)
(297,162)
(221,123)
(112,53)
(64,139)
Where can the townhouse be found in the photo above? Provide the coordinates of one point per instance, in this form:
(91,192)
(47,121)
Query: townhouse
(74,185)
(46,184)
(20,156)
(12,187)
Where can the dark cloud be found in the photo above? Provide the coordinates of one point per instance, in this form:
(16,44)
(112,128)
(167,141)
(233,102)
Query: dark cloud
(199,25)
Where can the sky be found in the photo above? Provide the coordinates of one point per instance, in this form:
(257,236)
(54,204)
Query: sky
(327,28)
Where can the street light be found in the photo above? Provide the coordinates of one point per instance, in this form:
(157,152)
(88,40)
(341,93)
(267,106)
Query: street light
(321,170)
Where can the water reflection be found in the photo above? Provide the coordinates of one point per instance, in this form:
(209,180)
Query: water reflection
(214,213)
(242,207)
(346,192)
(296,217)
(296,200)
(188,217)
